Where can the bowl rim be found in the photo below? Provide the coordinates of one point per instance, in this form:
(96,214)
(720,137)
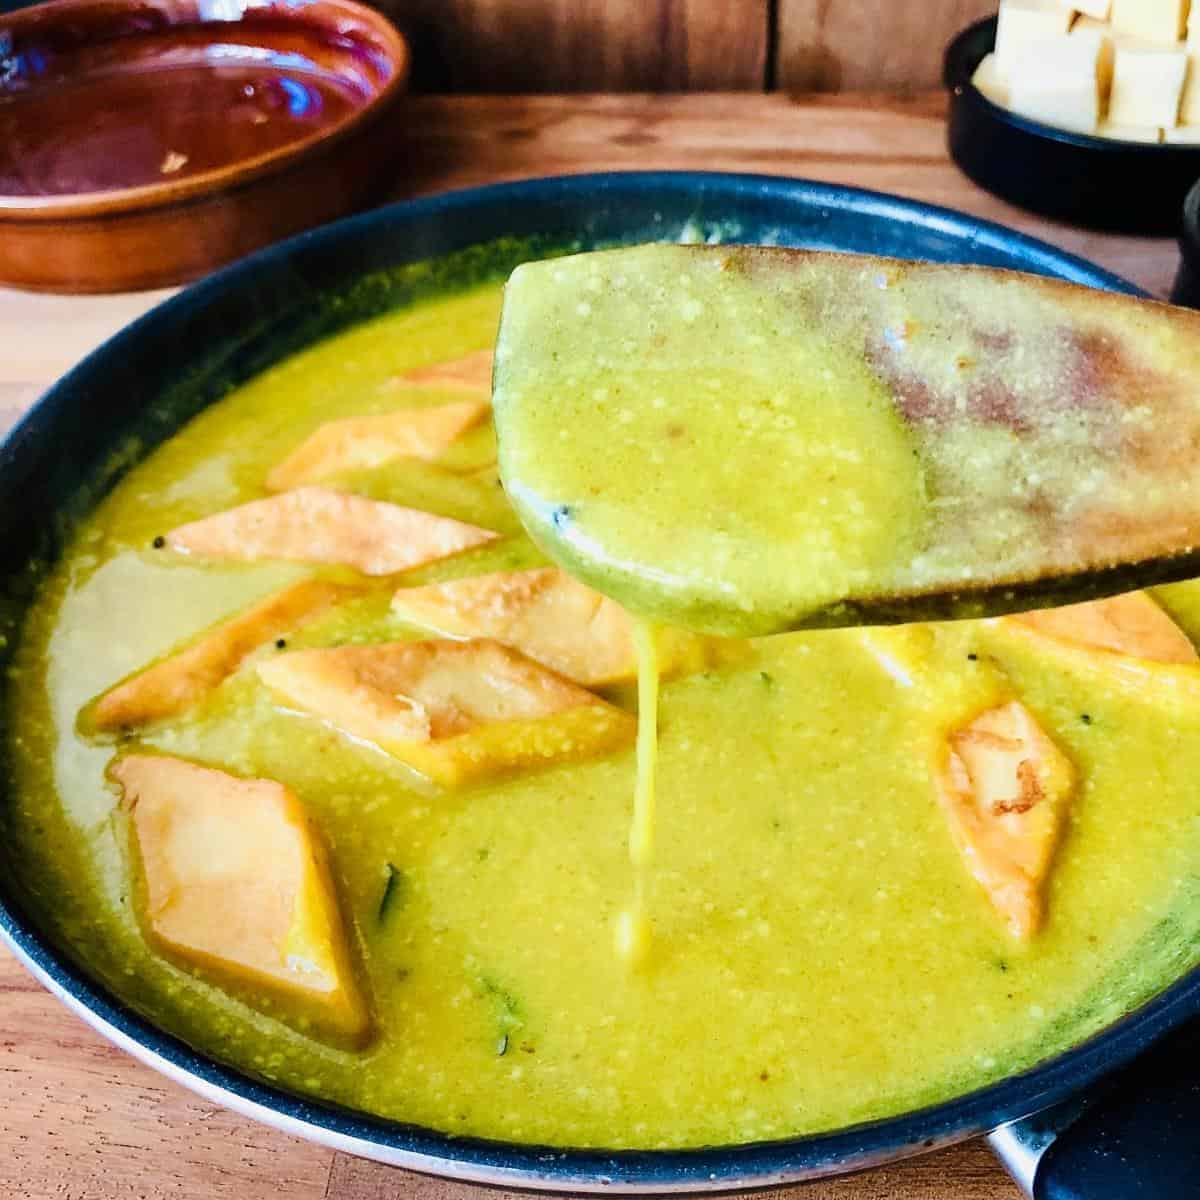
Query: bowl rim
(960,64)
(551,1168)
(1189,231)
(338,16)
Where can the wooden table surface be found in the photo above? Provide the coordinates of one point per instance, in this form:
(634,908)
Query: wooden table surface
(81,1121)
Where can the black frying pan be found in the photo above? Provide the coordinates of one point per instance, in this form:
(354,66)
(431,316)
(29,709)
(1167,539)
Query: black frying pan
(1101,1136)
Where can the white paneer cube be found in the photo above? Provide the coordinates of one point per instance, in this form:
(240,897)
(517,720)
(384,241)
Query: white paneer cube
(1183,135)
(990,82)
(1147,84)
(1056,81)
(1024,21)
(1098,31)
(1130,133)
(1163,21)
(1092,10)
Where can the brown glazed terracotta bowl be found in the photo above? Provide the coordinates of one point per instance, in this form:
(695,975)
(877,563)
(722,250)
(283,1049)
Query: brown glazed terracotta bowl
(144,142)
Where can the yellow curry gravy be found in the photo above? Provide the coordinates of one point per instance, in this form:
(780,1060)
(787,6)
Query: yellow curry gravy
(819,955)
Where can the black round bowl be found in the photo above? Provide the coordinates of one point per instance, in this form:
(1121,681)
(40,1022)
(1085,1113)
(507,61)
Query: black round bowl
(1128,187)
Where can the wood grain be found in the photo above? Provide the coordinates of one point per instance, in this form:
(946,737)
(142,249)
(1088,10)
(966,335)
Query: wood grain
(586,45)
(81,1121)
(840,45)
(44,335)
(873,140)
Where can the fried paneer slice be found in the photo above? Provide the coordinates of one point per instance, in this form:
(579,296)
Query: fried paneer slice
(1005,788)
(183,678)
(365,443)
(471,373)
(542,612)
(555,620)
(456,712)
(236,879)
(319,525)
(356,689)
(1132,625)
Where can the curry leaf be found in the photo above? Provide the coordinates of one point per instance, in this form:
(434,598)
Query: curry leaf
(395,893)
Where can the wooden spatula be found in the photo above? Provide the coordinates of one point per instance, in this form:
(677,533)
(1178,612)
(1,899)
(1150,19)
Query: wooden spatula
(751,439)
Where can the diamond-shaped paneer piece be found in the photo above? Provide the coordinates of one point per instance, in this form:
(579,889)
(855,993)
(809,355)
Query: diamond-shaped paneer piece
(236,879)
(1132,625)
(366,443)
(543,612)
(1005,787)
(319,525)
(471,373)
(456,712)
(354,689)
(184,677)
(553,619)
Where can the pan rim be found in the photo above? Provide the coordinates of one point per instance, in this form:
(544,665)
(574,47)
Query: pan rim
(553,1168)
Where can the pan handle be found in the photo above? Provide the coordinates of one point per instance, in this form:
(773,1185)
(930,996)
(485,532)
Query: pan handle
(1137,1134)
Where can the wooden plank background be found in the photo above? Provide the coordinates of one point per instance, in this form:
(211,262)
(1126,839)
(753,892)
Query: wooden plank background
(832,46)
(679,45)
(511,46)
(585,45)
